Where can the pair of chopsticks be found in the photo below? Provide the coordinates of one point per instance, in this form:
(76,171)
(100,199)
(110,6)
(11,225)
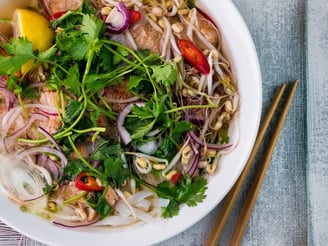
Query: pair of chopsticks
(249,203)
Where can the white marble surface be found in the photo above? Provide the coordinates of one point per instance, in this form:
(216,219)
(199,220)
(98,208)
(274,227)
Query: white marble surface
(292,43)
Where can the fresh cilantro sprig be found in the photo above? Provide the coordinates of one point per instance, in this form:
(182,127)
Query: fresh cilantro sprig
(19,51)
(186,191)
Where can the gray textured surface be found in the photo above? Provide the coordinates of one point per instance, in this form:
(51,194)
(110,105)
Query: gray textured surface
(291,39)
(317,91)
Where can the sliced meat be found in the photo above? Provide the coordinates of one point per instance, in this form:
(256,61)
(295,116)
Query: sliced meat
(55,6)
(146,37)
(111,196)
(208,29)
(54,122)
(117,94)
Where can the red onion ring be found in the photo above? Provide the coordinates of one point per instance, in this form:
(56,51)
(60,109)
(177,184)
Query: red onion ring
(124,134)
(193,166)
(118,19)
(44,161)
(43,149)
(22,130)
(208,145)
(76,224)
(49,137)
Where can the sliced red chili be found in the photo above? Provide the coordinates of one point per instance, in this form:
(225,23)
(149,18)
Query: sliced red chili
(87,183)
(135,16)
(56,16)
(194,56)
(175,178)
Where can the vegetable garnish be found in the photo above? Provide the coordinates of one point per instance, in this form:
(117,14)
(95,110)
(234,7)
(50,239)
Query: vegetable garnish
(119,19)
(135,16)
(56,15)
(194,56)
(87,182)
(115,127)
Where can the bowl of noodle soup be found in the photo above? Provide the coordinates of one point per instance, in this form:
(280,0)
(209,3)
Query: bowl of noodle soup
(238,49)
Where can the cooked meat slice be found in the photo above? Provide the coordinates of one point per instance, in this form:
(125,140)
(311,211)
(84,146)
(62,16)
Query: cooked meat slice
(116,93)
(111,196)
(55,6)
(208,29)
(53,122)
(146,37)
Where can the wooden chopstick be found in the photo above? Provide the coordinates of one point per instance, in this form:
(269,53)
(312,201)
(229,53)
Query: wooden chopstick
(231,197)
(260,175)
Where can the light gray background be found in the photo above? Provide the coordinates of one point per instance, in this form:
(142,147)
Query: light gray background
(291,38)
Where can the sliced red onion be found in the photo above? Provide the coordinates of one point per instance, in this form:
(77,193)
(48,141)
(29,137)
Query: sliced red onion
(22,130)
(43,149)
(48,113)
(193,166)
(11,99)
(208,145)
(46,162)
(118,19)
(15,115)
(124,134)
(69,224)
(49,137)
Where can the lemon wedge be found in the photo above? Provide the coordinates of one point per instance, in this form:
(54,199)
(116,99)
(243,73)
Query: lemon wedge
(35,27)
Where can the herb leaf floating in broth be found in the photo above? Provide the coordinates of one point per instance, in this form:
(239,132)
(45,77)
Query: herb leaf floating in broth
(124,131)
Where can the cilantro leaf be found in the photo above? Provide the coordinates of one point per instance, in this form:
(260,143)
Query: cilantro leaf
(191,4)
(187,190)
(73,109)
(72,81)
(18,47)
(171,210)
(91,27)
(13,85)
(165,74)
(115,171)
(20,52)
(74,168)
(100,204)
(143,130)
(192,192)
(71,43)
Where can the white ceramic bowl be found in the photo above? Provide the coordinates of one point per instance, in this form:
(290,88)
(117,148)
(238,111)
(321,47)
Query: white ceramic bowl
(240,49)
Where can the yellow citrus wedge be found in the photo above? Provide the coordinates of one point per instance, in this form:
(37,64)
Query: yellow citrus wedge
(35,27)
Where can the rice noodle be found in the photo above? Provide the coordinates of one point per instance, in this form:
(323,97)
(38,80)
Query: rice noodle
(130,39)
(167,35)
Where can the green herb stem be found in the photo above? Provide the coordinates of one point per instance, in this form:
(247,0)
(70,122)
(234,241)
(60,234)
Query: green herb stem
(75,198)
(92,129)
(173,110)
(77,152)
